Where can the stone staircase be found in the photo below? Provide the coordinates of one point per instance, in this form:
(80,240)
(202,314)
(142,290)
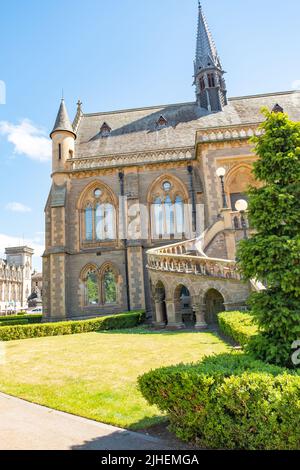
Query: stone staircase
(187,264)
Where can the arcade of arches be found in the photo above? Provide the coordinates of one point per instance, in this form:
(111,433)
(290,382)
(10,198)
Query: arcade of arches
(194,304)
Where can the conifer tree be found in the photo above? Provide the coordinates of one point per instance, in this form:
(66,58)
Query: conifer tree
(272,255)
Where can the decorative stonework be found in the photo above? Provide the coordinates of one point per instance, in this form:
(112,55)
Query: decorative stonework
(179,154)
(228,133)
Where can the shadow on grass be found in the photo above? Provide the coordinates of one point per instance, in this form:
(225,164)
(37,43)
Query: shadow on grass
(147,330)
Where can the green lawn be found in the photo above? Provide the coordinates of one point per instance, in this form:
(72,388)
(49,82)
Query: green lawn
(94,374)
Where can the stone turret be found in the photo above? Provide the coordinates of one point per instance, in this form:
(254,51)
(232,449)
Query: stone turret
(63,139)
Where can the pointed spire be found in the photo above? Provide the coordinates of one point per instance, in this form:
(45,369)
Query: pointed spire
(206,51)
(63,122)
(210,85)
(78,116)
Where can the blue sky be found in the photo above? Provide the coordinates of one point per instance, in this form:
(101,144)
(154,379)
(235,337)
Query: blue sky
(118,54)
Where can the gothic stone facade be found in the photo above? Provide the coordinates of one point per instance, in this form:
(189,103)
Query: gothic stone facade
(15,278)
(162,155)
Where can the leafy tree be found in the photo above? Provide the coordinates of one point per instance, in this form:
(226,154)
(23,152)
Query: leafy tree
(272,255)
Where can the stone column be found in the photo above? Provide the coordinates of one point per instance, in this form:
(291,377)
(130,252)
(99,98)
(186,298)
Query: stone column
(159,314)
(174,317)
(199,310)
(136,277)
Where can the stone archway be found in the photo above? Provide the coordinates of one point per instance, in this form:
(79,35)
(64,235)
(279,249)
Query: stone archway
(237,183)
(183,306)
(161,318)
(214,304)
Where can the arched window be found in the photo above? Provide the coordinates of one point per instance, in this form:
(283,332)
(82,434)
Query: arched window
(169,215)
(99,215)
(211,80)
(237,183)
(157,217)
(179,215)
(202,83)
(89,223)
(100,286)
(92,288)
(99,222)
(167,209)
(109,219)
(109,287)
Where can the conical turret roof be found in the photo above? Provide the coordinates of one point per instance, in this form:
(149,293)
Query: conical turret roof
(63,122)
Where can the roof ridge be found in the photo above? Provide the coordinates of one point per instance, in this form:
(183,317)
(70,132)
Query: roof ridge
(142,108)
(187,103)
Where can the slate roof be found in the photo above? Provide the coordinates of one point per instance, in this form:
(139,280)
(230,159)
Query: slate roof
(136,130)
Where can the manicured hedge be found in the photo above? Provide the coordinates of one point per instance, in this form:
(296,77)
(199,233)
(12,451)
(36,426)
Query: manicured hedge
(34,318)
(237,325)
(112,322)
(230,401)
(22,321)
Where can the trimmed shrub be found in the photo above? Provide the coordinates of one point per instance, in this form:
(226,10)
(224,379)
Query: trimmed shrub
(277,315)
(112,322)
(238,325)
(22,321)
(19,319)
(230,401)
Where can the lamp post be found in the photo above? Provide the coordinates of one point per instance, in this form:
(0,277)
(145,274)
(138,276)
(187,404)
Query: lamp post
(221,172)
(241,206)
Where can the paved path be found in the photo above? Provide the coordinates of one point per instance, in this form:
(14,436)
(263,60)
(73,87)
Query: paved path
(25,426)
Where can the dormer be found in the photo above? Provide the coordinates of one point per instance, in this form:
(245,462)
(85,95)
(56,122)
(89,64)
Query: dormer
(105,130)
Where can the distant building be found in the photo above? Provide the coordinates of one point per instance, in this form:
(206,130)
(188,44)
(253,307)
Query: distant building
(15,278)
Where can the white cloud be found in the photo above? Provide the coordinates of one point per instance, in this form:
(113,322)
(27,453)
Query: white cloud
(27,139)
(296,85)
(17,207)
(7,241)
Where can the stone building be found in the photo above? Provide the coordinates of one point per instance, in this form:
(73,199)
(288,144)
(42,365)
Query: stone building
(15,278)
(153,170)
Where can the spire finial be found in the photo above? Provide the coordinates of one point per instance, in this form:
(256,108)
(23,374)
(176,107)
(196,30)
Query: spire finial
(78,116)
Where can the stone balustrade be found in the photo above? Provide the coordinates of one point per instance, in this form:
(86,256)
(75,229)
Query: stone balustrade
(236,221)
(237,132)
(181,248)
(190,264)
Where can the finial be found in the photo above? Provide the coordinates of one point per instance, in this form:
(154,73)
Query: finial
(62,94)
(79,104)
